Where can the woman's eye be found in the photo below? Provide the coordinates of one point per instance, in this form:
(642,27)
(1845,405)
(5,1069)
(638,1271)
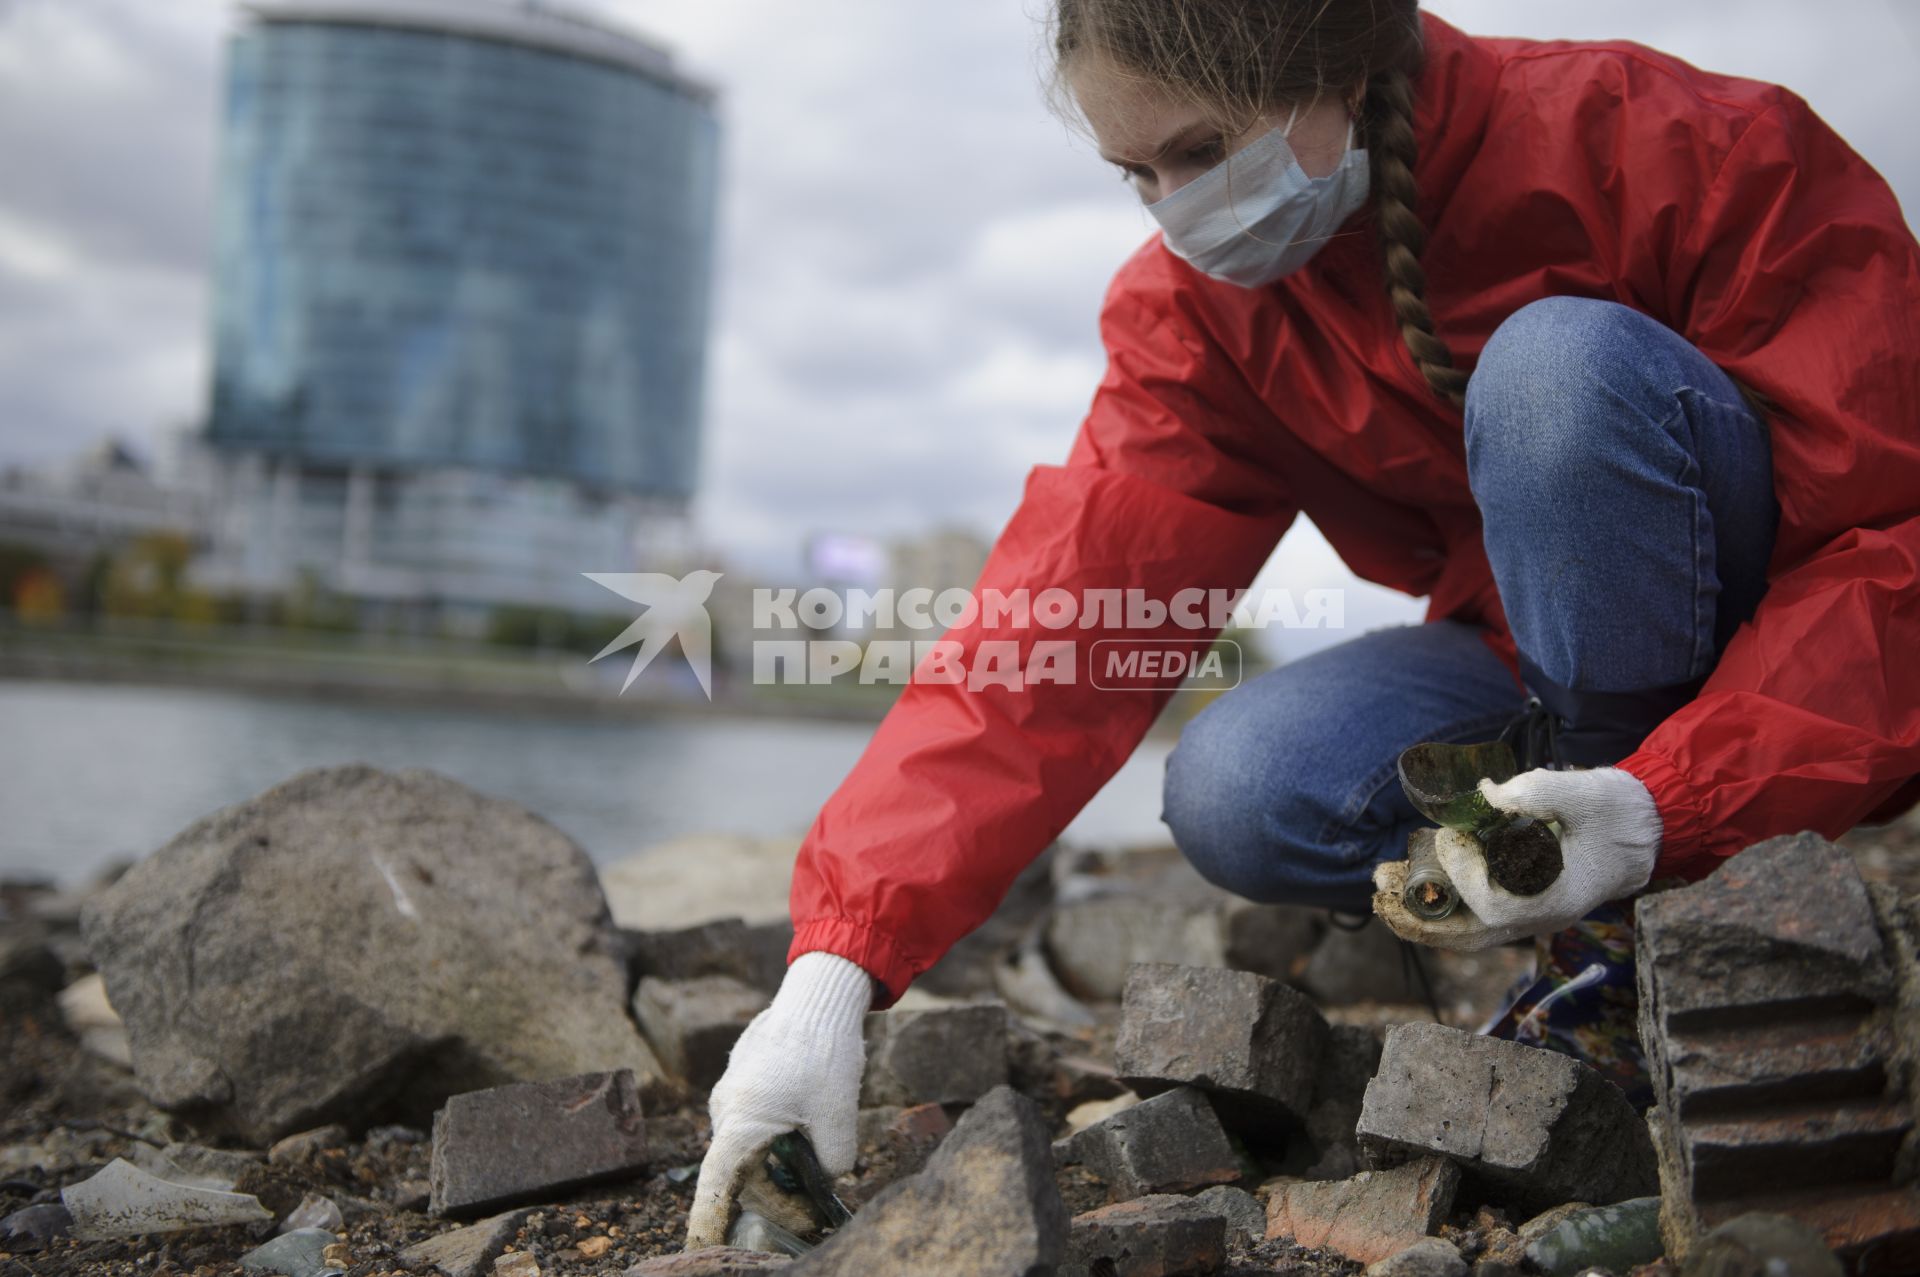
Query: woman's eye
(1206,152)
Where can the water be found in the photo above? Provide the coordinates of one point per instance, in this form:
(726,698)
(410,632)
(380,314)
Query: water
(94,773)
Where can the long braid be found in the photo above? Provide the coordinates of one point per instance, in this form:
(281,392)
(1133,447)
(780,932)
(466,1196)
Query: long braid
(1391,149)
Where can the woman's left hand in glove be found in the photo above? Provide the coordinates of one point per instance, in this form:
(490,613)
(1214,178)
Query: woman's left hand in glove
(1609,838)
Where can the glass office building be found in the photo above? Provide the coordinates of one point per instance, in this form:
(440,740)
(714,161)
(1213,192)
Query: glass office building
(462,233)
(466,236)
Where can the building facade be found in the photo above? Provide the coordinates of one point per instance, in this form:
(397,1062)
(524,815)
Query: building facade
(463,262)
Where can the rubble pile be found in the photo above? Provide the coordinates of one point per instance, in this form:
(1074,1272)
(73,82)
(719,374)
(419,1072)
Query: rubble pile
(372,1024)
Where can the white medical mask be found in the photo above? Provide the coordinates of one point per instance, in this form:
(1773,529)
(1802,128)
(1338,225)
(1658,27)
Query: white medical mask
(1265,218)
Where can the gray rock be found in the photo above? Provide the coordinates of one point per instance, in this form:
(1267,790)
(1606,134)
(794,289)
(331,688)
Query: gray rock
(1162,1145)
(468,1251)
(755,955)
(1271,940)
(687,953)
(32,1227)
(1430,1258)
(714,1261)
(296,1254)
(1532,1127)
(1158,1236)
(1246,1217)
(985,1206)
(496,1147)
(1758,1244)
(1331,1149)
(953,1055)
(1253,1044)
(693,1023)
(1777,998)
(1095,942)
(1370,964)
(1368,1218)
(353,939)
(304,1146)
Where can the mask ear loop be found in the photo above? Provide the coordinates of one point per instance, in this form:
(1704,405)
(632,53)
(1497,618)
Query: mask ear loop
(1285,131)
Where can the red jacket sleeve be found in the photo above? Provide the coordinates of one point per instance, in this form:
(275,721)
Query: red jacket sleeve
(1798,276)
(963,785)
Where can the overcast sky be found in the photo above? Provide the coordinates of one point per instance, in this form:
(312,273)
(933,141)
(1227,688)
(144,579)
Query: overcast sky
(912,251)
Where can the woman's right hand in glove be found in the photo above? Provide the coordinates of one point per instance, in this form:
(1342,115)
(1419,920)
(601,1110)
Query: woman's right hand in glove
(796,1067)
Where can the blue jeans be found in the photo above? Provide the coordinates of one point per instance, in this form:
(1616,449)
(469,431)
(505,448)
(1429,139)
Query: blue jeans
(1626,495)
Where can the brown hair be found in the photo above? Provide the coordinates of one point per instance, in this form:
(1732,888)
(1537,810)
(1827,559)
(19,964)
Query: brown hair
(1242,58)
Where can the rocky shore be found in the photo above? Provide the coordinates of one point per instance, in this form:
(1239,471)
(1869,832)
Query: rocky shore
(376,1023)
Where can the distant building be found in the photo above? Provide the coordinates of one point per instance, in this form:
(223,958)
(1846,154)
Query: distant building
(461,293)
(93,505)
(946,558)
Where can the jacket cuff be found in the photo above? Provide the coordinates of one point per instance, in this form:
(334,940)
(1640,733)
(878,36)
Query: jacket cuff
(875,951)
(1683,838)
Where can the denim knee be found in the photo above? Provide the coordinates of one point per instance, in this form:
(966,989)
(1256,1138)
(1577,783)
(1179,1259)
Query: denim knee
(1242,833)
(1555,361)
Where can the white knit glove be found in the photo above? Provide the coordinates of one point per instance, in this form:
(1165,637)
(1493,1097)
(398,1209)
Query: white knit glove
(1610,833)
(796,1067)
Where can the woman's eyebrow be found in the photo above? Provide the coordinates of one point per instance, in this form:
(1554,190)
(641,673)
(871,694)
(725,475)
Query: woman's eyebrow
(1165,146)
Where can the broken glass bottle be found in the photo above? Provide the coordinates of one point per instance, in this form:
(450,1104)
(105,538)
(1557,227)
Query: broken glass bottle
(1443,784)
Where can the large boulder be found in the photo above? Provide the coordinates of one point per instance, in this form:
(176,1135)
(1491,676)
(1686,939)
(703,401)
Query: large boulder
(354,942)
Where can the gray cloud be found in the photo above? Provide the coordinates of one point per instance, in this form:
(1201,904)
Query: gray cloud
(913,250)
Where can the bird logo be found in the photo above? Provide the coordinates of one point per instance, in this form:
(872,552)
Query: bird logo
(675,608)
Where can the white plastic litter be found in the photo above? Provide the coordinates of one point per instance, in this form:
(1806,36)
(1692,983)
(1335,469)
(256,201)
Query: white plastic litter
(125,1201)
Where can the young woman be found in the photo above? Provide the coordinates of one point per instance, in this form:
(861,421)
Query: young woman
(1615,360)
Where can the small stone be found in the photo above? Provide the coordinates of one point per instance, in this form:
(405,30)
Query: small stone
(1251,1043)
(1168,1143)
(952,1055)
(687,953)
(493,1148)
(314,1211)
(1374,1215)
(693,1023)
(1271,940)
(1348,1063)
(1761,1245)
(1157,1236)
(1246,1217)
(1095,942)
(517,1263)
(469,1251)
(985,1205)
(594,1247)
(1532,1127)
(1430,1258)
(302,1253)
(32,1227)
(412,1194)
(714,1261)
(909,1134)
(1369,964)
(301,1148)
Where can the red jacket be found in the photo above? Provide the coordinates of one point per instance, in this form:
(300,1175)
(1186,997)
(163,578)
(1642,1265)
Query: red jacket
(1723,207)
